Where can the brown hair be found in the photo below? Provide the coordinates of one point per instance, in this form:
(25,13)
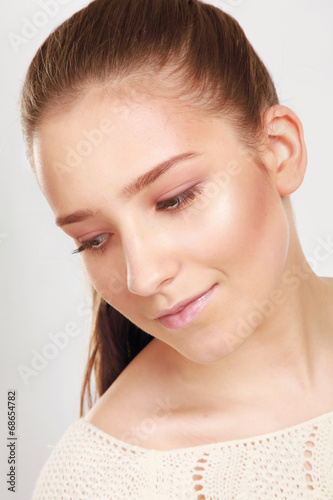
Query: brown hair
(111,43)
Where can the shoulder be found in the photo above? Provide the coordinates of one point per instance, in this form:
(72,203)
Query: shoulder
(86,463)
(141,406)
(68,466)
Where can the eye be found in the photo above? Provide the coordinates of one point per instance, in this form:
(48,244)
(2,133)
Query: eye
(179,201)
(95,244)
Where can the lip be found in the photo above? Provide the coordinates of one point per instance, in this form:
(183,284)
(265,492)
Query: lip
(185,312)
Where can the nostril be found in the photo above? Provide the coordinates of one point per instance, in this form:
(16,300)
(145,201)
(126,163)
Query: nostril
(167,281)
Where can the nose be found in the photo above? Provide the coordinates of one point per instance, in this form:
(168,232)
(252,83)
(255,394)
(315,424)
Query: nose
(150,264)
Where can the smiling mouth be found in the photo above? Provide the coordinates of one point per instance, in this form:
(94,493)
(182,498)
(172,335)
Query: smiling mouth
(184,313)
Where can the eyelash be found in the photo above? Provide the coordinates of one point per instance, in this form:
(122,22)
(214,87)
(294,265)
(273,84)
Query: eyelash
(89,245)
(182,200)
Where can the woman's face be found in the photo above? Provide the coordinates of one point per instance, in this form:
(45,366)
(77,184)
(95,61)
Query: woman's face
(178,229)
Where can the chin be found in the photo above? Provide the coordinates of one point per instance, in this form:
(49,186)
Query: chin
(210,345)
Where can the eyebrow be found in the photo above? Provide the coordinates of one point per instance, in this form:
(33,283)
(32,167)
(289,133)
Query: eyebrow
(133,188)
(78,216)
(148,178)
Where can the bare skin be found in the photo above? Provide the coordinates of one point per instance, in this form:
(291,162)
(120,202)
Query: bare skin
(259,357)
(157,403)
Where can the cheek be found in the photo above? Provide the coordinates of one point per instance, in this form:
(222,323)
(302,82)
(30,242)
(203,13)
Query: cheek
(242,232)
(107,280)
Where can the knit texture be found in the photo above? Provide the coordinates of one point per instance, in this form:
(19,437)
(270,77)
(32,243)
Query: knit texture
(293,463)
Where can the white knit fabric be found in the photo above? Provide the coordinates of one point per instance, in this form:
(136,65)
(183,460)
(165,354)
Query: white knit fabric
(293,463)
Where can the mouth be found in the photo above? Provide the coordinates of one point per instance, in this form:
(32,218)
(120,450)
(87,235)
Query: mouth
(185,312)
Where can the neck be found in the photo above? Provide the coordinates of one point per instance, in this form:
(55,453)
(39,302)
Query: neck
(287,351)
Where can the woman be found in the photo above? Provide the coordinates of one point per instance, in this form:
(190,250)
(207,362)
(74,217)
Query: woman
(156,135)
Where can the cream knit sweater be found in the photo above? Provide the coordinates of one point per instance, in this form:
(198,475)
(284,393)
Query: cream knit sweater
(293,463)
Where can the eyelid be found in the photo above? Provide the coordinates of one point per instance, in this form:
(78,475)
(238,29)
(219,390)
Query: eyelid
(182,200)
(87,244)
(179,190)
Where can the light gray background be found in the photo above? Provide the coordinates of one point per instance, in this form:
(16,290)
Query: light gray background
(43,288)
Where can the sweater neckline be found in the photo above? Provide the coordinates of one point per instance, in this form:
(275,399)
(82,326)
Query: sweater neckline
(221,444)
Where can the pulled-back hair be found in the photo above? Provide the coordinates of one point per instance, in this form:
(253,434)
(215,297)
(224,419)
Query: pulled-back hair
(206,60)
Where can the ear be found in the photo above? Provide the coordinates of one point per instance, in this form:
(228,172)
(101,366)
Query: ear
(286,154)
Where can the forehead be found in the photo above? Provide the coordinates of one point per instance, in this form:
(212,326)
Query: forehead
(116,135)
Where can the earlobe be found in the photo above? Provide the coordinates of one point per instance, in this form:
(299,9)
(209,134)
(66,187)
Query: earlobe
(286,147)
